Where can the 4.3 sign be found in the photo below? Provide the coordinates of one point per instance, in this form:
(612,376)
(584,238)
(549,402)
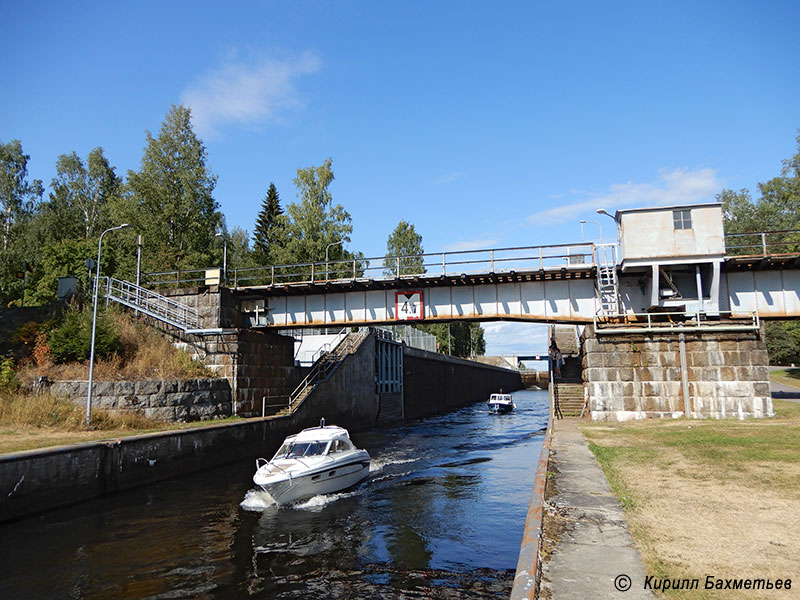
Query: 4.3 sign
(408,306)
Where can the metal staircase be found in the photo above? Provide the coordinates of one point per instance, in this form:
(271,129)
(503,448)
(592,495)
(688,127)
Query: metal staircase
(326,364)
(607,283)
(152,304)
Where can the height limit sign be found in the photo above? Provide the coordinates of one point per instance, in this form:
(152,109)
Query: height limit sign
(408,306)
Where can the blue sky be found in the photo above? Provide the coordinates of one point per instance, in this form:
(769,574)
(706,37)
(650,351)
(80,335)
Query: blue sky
(483,124)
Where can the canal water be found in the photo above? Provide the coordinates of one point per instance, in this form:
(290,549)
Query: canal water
(441,516)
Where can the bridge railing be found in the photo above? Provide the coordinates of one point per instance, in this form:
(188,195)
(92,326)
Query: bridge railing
(764,243)
(675,321)
(499,260)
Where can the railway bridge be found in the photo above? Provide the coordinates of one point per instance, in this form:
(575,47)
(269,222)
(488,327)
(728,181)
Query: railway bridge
(671,315)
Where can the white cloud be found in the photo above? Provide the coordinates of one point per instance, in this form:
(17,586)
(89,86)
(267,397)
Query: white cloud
(246,94)
(470,245)
(677,186)
(506,338)
(448,178)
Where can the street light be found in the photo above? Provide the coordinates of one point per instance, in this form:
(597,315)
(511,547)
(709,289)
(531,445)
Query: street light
(603,211)
(594,223)
(223,278)
(94,321)
(326,256)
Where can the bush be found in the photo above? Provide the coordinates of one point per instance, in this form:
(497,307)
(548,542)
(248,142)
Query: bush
(71,340)
(8,378)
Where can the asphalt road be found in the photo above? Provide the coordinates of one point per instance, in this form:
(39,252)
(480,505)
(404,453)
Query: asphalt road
(781,391)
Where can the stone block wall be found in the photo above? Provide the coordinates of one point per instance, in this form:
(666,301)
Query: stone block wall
(257,364)
(164,399)
(635,376)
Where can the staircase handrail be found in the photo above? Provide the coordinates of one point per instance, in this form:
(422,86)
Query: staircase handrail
(327,361)
(151,303)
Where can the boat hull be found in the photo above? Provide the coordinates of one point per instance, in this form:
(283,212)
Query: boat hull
(500,409)
(330,479)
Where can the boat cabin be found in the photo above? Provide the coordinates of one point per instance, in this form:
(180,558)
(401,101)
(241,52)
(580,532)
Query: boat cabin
(317,441)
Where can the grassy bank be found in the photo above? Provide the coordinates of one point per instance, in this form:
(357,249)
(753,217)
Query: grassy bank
(787,376)
(29,422)
(709,497)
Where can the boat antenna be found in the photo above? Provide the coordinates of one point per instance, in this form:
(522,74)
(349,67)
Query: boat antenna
(322,423)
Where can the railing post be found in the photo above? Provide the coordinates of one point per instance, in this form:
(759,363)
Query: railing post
(312,272)
(492,261)
(397,267)
(354,269)
(272,273)
(763,244)
(444,264)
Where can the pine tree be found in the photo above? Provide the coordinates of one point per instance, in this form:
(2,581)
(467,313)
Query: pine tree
(269,226)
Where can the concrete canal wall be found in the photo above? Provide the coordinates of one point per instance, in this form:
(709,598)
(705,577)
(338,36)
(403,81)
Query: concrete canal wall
(435,383)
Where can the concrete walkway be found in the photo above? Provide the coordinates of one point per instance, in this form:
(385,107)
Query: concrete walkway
(594,556)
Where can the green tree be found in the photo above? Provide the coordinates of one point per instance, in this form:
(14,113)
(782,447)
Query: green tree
(81,193)
(777,209)
(783,342)
(18,204)
(67,258)
(170,198)
(18,196)
(458,338)
(268,236)
(404,251)
(315,223)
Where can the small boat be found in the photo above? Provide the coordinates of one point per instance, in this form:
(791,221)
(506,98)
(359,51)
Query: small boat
(319,460)
(500,403)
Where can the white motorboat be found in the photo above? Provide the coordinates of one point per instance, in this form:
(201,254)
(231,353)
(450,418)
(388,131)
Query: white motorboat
(500,403)
(319,460)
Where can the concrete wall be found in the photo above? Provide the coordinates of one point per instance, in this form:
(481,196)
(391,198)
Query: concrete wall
(434,383)
(635,376)
(349,394)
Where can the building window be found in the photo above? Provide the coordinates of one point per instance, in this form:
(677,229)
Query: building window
(682,219)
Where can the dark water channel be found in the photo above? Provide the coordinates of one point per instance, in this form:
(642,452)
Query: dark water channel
(441,516)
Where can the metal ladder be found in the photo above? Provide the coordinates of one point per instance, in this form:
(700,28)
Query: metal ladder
(607,284)
(152,304)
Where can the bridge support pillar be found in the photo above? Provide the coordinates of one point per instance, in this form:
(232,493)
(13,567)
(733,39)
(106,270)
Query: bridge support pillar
(709,374)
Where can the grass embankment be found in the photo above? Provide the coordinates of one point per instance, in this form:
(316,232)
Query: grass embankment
(30,421)
(709,497)
(786,376)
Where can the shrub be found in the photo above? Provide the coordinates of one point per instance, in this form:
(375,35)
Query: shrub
(71,340)
(8,378)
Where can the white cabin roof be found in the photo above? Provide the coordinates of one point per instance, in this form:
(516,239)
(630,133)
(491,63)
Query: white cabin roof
(314,434)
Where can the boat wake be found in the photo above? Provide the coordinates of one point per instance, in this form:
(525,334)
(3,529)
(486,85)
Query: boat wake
(257,500)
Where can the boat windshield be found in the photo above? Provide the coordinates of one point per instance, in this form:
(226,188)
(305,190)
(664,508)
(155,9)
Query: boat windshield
(291,450)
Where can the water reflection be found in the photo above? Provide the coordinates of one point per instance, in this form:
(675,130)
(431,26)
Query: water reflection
(441,516)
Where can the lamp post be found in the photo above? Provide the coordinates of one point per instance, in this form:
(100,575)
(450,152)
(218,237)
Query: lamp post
(94,322)
(224,277)
(594,223)
(326,256)
(603,211)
